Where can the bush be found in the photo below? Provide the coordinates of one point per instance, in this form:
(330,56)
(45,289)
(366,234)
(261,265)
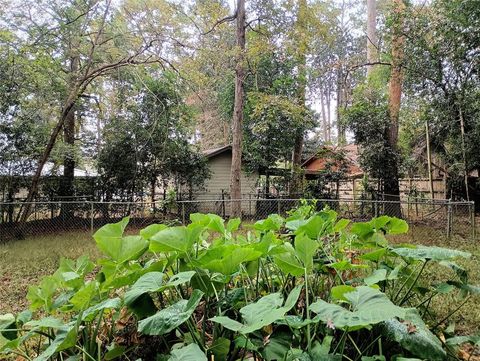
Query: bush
(309,287)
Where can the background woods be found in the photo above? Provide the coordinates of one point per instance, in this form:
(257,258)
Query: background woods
(129,93)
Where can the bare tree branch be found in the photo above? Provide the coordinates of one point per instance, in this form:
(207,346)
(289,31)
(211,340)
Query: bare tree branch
(221,21)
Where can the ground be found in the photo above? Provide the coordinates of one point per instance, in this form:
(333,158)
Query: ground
(24,262)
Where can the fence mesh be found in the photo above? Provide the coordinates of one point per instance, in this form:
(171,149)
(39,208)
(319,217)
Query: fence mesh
(428,220)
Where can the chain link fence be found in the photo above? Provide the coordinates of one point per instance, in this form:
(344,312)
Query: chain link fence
(428,220)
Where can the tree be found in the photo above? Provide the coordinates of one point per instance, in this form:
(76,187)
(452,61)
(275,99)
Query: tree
(372,39)
(95,55)
(441,69)
(391,186)
(146,145)
(237,122)
(301,42)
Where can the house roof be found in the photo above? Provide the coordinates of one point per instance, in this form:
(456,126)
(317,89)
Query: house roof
(209,153)
(14,168)
(318,162)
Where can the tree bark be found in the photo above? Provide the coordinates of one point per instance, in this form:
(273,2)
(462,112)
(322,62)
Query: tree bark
(329,119)
(340,82)
(372,40)
(32,191)
(340,106)
(237,122)
(429,160)
(391,184)
(67,182)
(324,115)
(301,59)
(464,155)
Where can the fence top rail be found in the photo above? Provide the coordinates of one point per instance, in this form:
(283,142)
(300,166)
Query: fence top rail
(150,203)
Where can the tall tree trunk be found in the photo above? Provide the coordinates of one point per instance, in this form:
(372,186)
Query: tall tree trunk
(66,190)
(301,59)
(329,119)
(68,179)
(391,184)
(340,105)
(324,115)
(237,122)
(32,191)
(340,84)
(429,160)
(464,155)
(372,40)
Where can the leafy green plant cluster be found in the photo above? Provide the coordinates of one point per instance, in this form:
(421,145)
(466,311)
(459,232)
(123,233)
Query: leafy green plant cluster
(308,287)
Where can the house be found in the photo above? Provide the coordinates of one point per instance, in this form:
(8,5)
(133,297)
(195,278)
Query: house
(220,163)
(344,160)
(335,159)
(15,177)
(216,189)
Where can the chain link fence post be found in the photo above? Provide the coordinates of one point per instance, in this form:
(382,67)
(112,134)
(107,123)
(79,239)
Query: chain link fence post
(91,217)
(472,219)
(449,219)
(183,212)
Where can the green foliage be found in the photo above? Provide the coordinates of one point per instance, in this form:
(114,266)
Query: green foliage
(315,287)
(369,121)
(157,123)
(368,307)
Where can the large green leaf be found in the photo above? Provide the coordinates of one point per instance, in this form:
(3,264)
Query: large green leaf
(7,326)
(171,317)
(171,239)
(369,306)
(42,295)
(273,223)
(72,272)
(414,336)
(430,253)
(108,304)
(363,230)
(65,338)
(127,248)
(83,297)
(179,279)
(152,230)
(305,248)
(220,348)
(120,249)
(377,276)
(109,234)
(188,353)
(149,282)
(459,340)
(262,313)
(396,226)
(226,259)
(178,239)
(46,322)
(288,263)
(318,225)
(152,282)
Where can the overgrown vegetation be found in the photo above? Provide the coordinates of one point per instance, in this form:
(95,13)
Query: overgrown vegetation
(308,287)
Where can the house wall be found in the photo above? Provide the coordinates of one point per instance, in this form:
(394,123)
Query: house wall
(352,189)
(220,167)
(220,182)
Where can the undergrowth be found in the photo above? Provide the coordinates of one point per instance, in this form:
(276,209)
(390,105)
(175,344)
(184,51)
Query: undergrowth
(308,287)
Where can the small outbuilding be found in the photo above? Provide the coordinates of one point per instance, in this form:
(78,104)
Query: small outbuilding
(215,193)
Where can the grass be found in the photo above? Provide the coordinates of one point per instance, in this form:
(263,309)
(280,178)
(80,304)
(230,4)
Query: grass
(25,262)
(467,319)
